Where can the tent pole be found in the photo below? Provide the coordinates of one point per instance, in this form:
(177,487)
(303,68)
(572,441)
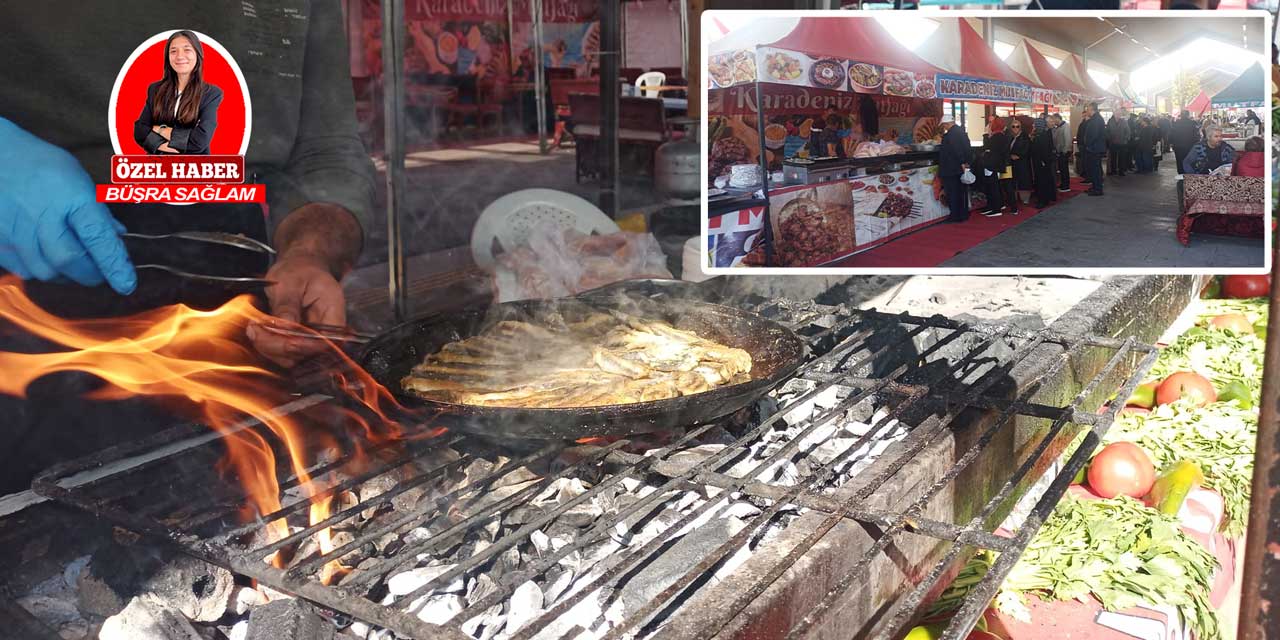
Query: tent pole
(539,76)
(764,168)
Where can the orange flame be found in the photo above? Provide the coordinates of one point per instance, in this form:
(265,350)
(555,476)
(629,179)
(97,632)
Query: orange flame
(199,362)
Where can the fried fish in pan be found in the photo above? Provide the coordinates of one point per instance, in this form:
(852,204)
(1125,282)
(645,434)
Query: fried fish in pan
(600,359)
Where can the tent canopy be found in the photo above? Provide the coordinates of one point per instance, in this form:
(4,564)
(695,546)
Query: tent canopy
(1074,69)
(861,39)
(957,47)
(754,33)
(1244,91)
(1029,62)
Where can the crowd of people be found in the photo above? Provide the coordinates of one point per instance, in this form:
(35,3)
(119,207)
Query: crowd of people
(1026,161)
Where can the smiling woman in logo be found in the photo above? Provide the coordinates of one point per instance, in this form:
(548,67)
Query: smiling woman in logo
(181,112)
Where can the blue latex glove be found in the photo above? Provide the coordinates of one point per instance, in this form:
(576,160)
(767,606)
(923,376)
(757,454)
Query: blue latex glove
(50,223)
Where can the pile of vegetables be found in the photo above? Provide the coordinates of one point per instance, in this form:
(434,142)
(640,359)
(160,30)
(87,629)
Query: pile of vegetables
(1119,552)
(1194,423)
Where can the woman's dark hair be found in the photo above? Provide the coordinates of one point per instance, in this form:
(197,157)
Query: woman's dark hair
(189,108)
(1253,144)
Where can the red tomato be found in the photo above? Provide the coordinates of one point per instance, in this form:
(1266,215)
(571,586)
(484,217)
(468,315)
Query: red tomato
(1121,468)
(1234,322)
(1186,384)
(1246,286)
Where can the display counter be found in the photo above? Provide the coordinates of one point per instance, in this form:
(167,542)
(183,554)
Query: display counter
(816,224)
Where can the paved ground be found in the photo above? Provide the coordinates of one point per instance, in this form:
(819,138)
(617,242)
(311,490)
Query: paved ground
(1131,226)
(448,188)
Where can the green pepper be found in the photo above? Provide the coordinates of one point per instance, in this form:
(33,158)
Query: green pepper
(1213,289)
(1236,391)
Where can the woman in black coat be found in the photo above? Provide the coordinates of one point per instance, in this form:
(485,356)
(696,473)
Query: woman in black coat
(994,158)
(1020,159)
(181,112)
(1042,163)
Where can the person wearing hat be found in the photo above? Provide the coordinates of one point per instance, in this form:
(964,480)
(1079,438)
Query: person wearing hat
(956,155)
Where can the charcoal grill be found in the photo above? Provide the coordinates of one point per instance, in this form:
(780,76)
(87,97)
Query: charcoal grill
(950,370)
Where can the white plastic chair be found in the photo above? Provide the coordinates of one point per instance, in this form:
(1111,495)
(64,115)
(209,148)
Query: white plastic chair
(651,79)
(509,220)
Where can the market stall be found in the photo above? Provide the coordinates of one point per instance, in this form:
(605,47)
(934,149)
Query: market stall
(1247,91)
(842,122)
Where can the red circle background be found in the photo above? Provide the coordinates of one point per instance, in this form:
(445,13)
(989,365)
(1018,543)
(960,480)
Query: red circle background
(149,67)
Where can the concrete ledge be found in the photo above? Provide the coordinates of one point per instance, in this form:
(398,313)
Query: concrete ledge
(1141,307)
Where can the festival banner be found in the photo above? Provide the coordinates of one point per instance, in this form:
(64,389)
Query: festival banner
(472,38)
(952,87)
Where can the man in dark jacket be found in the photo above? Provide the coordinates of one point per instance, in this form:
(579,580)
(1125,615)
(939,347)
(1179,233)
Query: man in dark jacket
(956,155)
(1183,135)
(1094,145)
(1118,144)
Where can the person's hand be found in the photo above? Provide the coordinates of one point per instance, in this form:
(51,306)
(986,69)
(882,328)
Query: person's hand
(165,148)
(317,244)
(165,132)
(50,224)
(304,292)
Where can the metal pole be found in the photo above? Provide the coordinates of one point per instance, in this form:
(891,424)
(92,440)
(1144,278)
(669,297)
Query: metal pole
(393,36)
(1260,593)
(610,35)
(684,40)
(539,76)
(511,48)
(764,166)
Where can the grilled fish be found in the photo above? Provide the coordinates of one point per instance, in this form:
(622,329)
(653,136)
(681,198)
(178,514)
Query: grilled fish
(598,360)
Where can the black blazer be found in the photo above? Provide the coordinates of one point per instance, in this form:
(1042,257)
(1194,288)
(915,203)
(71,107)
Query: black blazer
(996,152)
(191,140)
(956,151)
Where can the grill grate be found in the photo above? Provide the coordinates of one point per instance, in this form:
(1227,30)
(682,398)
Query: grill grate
(924,372)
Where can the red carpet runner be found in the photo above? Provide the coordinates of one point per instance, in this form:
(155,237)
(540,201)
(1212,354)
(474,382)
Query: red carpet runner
(933,245)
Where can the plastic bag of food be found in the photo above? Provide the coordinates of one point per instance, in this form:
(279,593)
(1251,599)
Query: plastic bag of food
(557,262)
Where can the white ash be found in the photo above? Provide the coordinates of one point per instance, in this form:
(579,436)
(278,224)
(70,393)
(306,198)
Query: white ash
(54,602)
(721,513)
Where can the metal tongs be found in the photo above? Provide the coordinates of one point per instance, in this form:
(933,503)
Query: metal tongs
(211,237)
(315,331)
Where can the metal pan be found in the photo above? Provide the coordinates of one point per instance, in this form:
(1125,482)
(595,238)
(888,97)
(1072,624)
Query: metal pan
(775,350)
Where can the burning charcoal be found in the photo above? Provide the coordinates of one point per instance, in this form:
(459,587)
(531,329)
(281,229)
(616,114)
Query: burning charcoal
(74,630)
(71,574)
(244,599)
(148,617)
(687,501)
(643,585)
(196,588)
(506,562)
(541,541)
(487,624)
(288,620)
(682,461)
(741,510)
(52,610)
(438,609)
(523,606)
(409,581)
(238,631)
(373,488)
(557,583)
